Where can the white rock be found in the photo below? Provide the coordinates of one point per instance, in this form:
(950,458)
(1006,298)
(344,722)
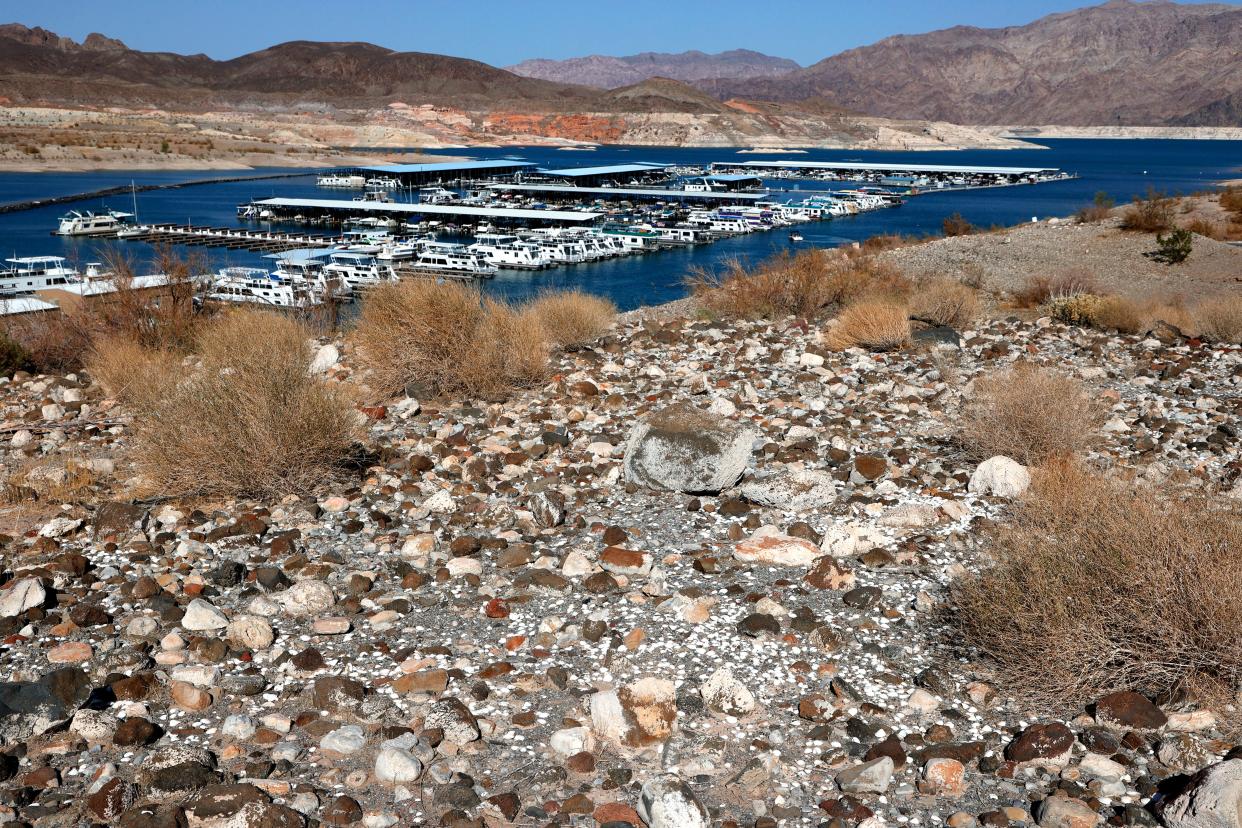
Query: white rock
(464,566)
(668,802)
(723,693)
(21,438)
(250,632)
(1212,800)
(1000,476)
(345,741)
(94,725)
(23,595)
(238,727)
(201,615)
(439,503)
(306,598)
(325,358)
(396,766)
(796,490)
(768,545)
(570,740)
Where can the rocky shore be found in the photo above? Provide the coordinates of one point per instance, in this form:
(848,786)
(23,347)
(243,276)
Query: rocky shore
(694,580)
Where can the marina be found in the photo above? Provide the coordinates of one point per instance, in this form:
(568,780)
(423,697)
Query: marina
(692,210)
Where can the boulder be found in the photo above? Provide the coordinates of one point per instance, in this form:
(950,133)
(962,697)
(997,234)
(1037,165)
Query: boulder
(683,449)
(795,490)
(868,777)
(637,715)
(21,596)
(1212,799)
(1000,476)
(1063,812)
(1127,710)
(723,693)
(768,545)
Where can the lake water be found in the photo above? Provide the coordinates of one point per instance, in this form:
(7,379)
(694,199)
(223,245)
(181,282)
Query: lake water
(1122,168)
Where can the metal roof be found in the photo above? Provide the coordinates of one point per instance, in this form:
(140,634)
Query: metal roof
(896,165)
(731,177)
(616,169)
(430,209)
(14,305)
(448,166)
(624,191)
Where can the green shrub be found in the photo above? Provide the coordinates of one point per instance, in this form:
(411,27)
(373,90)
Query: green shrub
(1174,248)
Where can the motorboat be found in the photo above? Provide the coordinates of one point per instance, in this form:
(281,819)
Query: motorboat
(257,286)
(341,181)
(502,250)
(358,271)
(452,260)
(86,223)
(29,274)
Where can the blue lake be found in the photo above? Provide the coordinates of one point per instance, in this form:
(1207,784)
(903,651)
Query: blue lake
(1122,168)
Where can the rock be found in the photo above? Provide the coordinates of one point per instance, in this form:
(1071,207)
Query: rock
(325,359)
(867,777)
(343,810)
(629,562)
(201,615)
(337,693)
(945,777)
(1130,710)
(1211,799)
(71,652)
(768,545)
(306,598)
(797,490)
(344,741)
(112,799)
(723,693)
(668,802)
(1063,812)
(1042,742)
(548,507)
(21,596)
(188,697)
(829,573)
(637,715)
(684,449)
(455,719)
(135,731)
(94,725)
(569,741)
(250,632)
(31,707)
(239,727)
(868,467)
(397,766)
(1000,476)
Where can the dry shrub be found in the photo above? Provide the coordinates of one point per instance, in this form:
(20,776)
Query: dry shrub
(1076,309)
(886,241)
(1151,214)
(1231,200)
(128,371)
(1120,314)
(1098,585)
(1207,229)
(1028,413)
(1171,310)
(445,337)
(957,225)
(162,317)
(945,302)
(250,421)
(1040,289)
(572,317)
(871,324)
(799,284)
(1220,319)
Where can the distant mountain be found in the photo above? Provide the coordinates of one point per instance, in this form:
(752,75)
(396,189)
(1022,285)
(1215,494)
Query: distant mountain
(37,65)
(607,72)
(1122,62)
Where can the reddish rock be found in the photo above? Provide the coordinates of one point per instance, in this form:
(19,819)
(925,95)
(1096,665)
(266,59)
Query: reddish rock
(1129,710)
(829,573)
(1042,741)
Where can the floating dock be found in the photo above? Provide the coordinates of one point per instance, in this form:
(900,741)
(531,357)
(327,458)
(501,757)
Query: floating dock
(630,193)
(418,175)
(232,238)
(342,209)
(900,172)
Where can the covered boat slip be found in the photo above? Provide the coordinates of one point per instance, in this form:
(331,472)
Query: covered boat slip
(894,169)
(417,175)
(628,193)
(614,174)
(342,209)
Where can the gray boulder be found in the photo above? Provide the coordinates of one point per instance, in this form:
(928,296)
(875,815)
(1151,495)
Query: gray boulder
(684,449)
(668,802)
(1213,799)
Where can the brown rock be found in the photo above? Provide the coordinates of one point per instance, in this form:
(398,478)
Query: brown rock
(1129,710)
(188,697)
(1041,741)
(829,573)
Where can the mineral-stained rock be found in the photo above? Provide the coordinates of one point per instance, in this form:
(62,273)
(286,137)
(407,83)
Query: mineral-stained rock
(768,545)
(1041,742)
(723,693)
(684,449)
(829,573)
(642,713)
(795,490)
(1063,812)
(1129,710)
(455,719)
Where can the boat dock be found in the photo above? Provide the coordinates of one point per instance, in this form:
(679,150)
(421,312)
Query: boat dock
(629,193)
(340,210)
(897,173)
(232,238)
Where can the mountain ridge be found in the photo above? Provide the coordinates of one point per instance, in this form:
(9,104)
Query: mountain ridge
(611,72)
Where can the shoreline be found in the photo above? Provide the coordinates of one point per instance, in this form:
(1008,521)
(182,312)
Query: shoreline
(1118,133)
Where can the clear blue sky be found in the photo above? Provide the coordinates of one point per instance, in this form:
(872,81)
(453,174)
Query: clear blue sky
(503,32)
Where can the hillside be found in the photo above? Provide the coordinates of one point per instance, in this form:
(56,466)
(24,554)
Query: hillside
(608,72)
(1119,63)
